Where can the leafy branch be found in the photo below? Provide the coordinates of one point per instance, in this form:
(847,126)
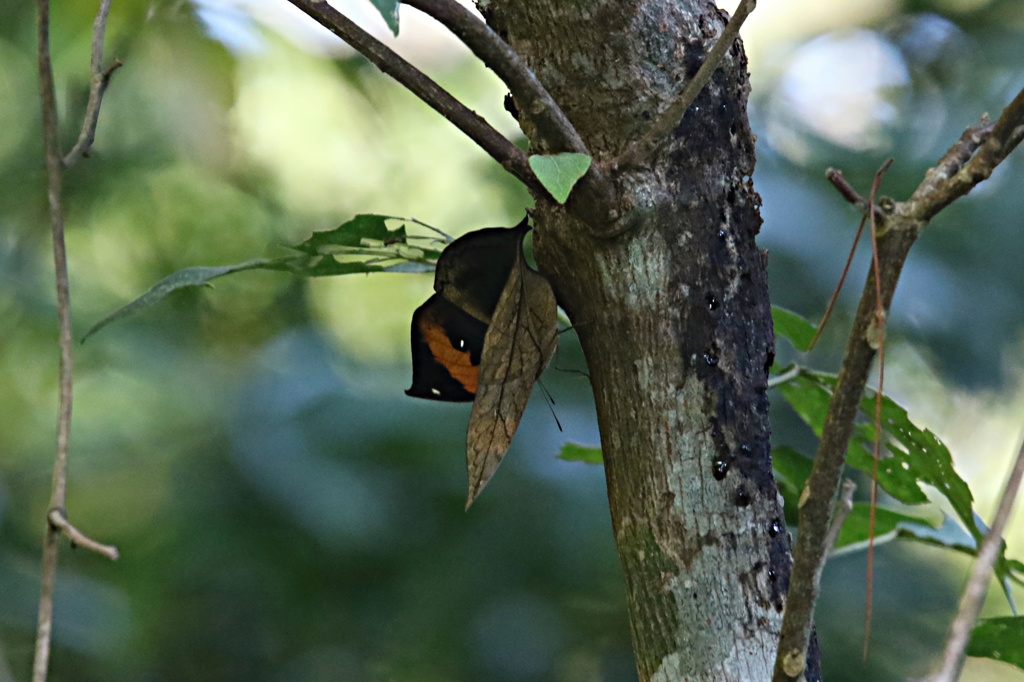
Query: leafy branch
(971,159)
(973,597)
(361,245)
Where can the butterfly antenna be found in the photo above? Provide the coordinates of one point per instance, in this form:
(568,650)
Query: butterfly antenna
(551,403)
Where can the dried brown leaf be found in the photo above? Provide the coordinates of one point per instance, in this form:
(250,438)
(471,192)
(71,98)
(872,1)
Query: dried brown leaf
(519,343)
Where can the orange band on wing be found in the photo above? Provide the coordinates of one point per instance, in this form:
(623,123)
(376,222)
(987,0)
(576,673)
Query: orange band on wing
(457,362)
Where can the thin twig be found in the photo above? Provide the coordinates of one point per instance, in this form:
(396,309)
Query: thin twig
(98,82)
(59,521)
(787,376)
(640,149)
(977,585)
(839,181)
(554,129)
(554,132)
(511,158)
(58,492)
(971,158)
(54,171)
(843,510)
(839,287)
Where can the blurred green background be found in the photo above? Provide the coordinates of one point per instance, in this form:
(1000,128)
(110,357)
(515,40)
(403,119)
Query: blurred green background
(283,511)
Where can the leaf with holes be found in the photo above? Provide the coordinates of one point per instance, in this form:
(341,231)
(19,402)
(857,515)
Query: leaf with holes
(914,456)
(362,229)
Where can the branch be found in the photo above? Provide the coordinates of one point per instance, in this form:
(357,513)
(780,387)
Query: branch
(98,83)
(843,510)
(846,190)
(535,103)
(640,149)
(511,158)
(555,132)
(977,585)
(58,494)
(970,160)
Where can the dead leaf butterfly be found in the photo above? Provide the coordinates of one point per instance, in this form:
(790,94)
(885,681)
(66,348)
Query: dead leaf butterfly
(448,330)
(485,336)
(446,348)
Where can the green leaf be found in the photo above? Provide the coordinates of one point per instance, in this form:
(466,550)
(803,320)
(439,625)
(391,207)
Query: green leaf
(361,245)
(855,531)
(911,456)
(809,394)
(917,452)
(186,277)
(362,229)
(389,10)
(572,452)
(559,173)
(791,467)
(798,330)
(1001,639)
(791,471)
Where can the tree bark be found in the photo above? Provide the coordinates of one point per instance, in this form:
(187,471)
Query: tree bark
(674,318)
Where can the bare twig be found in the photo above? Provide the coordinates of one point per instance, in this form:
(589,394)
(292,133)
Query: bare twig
(977,585)
(511,158)
(971,159)
(842,280)
(58,493)
(98,82)
(843,186)
(554,131)
(640,149)
(54,171)
(59,521)
(785,377)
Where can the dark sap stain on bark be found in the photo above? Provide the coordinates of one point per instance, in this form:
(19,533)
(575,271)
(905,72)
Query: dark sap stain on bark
(693,57)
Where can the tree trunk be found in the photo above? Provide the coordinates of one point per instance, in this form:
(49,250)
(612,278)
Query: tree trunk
(674,318)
